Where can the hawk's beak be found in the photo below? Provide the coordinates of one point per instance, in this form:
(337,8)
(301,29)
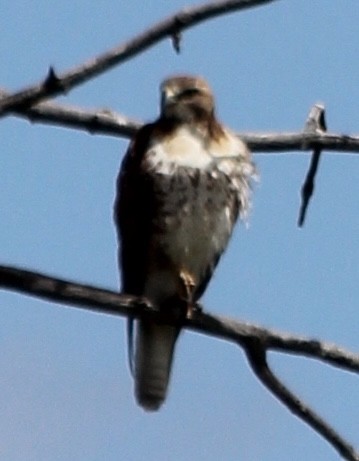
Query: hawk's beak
(168,95)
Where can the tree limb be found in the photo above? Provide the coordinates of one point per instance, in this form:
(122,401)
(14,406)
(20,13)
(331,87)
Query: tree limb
(107,122)
(110,302)
(98,121)
(255,340)
(55,84)
(256,355)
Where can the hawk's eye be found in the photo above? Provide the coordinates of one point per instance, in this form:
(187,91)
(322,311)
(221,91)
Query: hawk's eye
(190,92)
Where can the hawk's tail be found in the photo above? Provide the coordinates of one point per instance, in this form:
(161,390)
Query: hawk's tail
(153,362)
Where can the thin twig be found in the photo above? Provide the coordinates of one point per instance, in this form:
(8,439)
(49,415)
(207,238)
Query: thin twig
(55,84)
(315,124)
(257,359)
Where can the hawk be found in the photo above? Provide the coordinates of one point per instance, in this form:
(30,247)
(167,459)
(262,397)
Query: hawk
(183,183)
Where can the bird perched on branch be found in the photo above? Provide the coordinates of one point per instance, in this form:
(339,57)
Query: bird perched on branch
(183,183)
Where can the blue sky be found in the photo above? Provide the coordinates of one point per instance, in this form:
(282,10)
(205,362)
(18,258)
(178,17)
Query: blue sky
(66,392)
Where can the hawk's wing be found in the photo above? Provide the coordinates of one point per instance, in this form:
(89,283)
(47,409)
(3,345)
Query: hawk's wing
(132,213)
(136,212)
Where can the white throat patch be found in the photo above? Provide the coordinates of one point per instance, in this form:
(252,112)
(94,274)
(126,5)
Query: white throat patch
(185,149)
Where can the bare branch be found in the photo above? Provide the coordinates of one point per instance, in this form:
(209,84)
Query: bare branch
(65,292)
(99,121)
(256,355)
(110,302)
(107,122)
(55,84)
(242,332)
(315,124)
(254,339)
(285,142)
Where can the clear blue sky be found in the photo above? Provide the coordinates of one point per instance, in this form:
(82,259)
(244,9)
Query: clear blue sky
(66,392)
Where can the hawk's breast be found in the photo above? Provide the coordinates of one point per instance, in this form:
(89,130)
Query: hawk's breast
(196,205)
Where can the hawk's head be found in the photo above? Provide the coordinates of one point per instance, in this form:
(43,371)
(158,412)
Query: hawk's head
(186,98)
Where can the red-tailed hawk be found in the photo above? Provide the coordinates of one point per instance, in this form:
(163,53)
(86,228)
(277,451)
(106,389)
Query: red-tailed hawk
(183,183)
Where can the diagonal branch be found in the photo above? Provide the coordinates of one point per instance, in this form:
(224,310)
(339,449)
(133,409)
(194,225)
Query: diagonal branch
(256,355)
(55,84)
(99,121)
